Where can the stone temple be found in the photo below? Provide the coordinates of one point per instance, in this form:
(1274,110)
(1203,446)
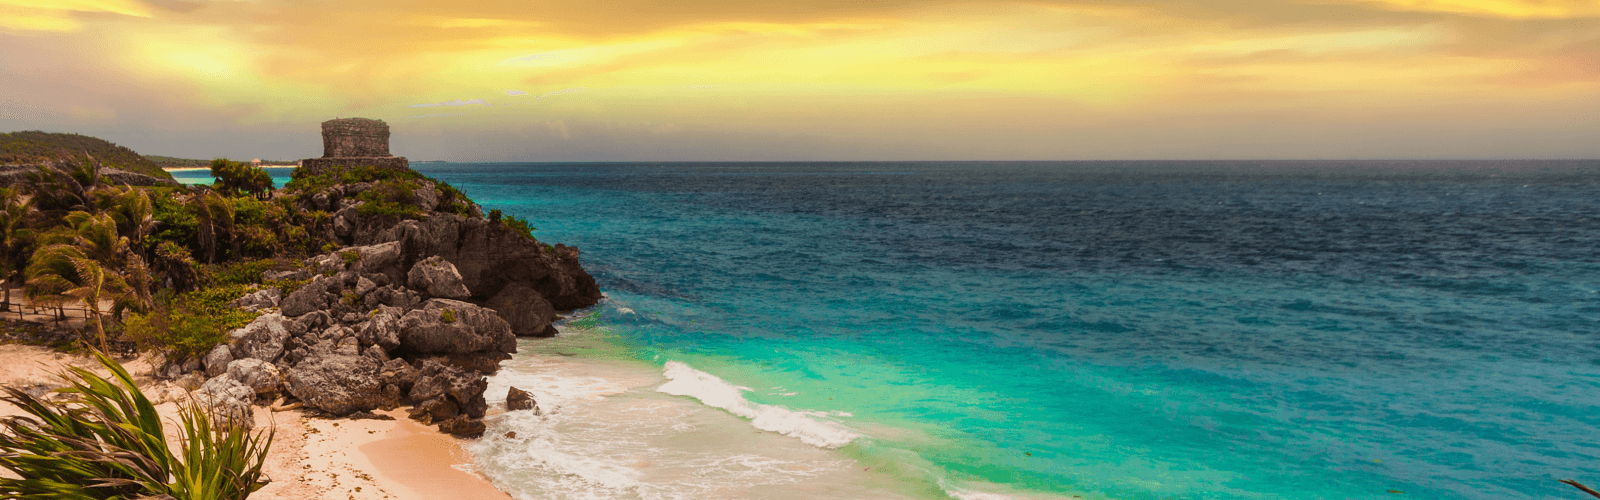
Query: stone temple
(354,142)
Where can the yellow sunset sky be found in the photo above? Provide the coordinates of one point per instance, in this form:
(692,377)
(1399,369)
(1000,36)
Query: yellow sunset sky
(814,79)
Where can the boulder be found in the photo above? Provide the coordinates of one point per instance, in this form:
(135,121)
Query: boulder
(262,339)
(460,387)
(437,278)
(463,426)
(399,373)
(217,360)
(262,377)
(524,309)
(338,384)
(382,328)
(258,300)
(382,258)
(318,294)
(518,399)
(453,326)
(227,402)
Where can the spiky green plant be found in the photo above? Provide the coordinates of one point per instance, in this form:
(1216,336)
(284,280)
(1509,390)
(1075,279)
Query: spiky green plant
(110,445)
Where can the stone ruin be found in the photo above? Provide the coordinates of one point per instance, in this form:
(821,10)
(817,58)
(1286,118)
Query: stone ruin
(354,142)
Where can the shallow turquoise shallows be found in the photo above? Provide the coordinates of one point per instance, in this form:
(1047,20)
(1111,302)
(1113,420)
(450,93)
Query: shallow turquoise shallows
(1226,330)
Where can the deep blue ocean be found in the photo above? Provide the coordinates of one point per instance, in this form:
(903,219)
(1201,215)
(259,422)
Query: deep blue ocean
(1127,330)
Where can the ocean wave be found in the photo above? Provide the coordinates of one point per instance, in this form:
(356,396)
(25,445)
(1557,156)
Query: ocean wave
(686,381)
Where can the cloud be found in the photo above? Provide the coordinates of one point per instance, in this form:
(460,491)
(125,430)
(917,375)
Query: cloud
(516,92)
(559,92)
(455,103)
(61,15)
(436,115)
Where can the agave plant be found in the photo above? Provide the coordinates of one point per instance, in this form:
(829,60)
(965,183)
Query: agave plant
(110,445)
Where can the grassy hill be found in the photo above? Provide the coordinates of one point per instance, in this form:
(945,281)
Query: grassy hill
(32,147)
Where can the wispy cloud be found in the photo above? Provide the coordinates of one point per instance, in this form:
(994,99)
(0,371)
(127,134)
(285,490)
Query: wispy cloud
(516,92)
(562,91)
(455,103)
(436,115)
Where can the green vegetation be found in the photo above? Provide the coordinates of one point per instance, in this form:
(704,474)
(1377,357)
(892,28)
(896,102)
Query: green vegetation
(35,147)
(448,316)
(391,197)
(237,179)
(519,226)
(111,445)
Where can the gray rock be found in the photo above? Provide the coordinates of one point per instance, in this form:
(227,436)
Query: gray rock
(217,360)
(262,377)
(453,326)
(318,294)
(338,384)
(365,286)
(462,388)
(262,339)
(399,373)
(518,399)
(524,309)
(382,328)
(258,300)
(437,278)
(382,258)
(295,275)
(227,402)
(190,381)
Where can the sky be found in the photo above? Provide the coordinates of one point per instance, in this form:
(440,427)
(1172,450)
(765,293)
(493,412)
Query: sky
(755,80)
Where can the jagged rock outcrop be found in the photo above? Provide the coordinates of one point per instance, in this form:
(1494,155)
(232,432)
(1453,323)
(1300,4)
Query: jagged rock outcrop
(437,278)
(518,399)
(444,326)
(340,384)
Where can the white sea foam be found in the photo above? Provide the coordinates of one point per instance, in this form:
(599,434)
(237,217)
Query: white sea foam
(713,391)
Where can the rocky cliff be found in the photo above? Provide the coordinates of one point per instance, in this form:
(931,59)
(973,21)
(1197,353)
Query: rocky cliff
(416,307)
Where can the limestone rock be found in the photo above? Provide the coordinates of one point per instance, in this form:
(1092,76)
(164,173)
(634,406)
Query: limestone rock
(462,426)
(262,377)
(462,388)
(262,339)
(258,300)
(518,399)
(217,360)
(382,328)
(453,326)
(524,309)
(338,384)
(227,401)
(318,294)
(437,278)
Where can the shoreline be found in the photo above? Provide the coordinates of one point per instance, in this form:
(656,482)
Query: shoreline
(311,458)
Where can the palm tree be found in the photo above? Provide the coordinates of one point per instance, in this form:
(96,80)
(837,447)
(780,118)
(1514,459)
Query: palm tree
(133,212)
(64,271)
(66,187)
(14,237)
(215,214)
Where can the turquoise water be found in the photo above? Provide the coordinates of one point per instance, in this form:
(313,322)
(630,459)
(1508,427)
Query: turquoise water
(1106,330)
(280,176)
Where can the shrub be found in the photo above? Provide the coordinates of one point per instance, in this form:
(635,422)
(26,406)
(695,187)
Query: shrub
(189,325)
(350,256)
(519,226)
(390,197)
(448,316)
(111,444)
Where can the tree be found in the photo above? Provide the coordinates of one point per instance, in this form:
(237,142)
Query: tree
(216,217)
(133,212)
(236,178)
(66,187)
(14,238)
(64,271)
